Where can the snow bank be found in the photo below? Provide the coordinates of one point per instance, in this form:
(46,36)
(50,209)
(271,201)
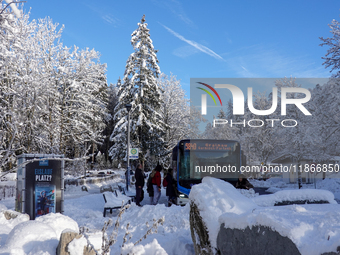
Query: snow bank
(6,226)
(58,222)
(330,184)
(313,228)
(214,197)
(248,193)
(173,236)
(295,195)
(40,236)
(2,207)
(31,237)
(152,248)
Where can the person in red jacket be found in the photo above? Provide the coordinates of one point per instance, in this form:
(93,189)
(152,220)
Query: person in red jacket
(156,183)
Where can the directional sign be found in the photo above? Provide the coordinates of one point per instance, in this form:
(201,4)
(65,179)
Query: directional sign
(133,153)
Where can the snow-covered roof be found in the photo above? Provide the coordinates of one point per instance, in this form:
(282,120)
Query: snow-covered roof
(289,156)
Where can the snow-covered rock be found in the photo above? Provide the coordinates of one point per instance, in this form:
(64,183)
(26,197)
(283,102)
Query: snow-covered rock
(212,198)
(314,229)
(229,217)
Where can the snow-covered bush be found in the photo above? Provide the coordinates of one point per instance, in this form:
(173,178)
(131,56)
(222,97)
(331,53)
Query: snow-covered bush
(127,246)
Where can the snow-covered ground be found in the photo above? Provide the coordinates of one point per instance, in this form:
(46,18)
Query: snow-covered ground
(86,210)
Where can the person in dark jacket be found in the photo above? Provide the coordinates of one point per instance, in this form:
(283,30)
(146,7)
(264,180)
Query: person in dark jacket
(156,182)
(139,176)
(149,187)
(170,188)
(243,183)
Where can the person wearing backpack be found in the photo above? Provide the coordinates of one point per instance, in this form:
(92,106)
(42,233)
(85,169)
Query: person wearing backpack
(169,182)
(156,182)
(149,186)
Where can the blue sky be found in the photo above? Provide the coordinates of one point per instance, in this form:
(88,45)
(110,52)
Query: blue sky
(202,39)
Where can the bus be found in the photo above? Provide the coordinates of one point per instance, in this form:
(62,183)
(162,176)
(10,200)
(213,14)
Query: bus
(193,159)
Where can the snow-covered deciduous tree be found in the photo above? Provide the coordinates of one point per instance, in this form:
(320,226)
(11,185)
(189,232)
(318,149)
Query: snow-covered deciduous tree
(112,102)
(52,98)
(11,39)
(299,142)
(261,138)
(325,108)
(332,57)
(222,129)
(179,118)
(83,101)
(141,90)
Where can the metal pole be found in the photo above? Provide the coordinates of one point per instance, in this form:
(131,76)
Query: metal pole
(128,152)
(84,164)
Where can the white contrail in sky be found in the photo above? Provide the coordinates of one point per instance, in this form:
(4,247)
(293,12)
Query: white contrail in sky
(198,46)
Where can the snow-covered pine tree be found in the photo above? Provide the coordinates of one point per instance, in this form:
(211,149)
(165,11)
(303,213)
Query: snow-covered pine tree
(140,89)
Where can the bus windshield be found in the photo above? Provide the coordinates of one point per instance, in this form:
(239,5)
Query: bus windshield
(215,158)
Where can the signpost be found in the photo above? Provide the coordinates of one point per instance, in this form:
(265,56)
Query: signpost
(133,153)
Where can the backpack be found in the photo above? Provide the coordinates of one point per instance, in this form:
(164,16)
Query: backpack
(165,182)
(149,186)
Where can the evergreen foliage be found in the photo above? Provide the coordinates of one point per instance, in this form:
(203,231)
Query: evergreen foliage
(140,89)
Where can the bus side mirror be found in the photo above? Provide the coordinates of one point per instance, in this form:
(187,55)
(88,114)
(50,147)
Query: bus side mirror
(174,153)
(244,160)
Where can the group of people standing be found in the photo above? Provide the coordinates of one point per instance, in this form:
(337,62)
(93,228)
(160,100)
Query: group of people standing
(154,185)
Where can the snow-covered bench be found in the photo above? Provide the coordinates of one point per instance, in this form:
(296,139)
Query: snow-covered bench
(114,200)
(129,193)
